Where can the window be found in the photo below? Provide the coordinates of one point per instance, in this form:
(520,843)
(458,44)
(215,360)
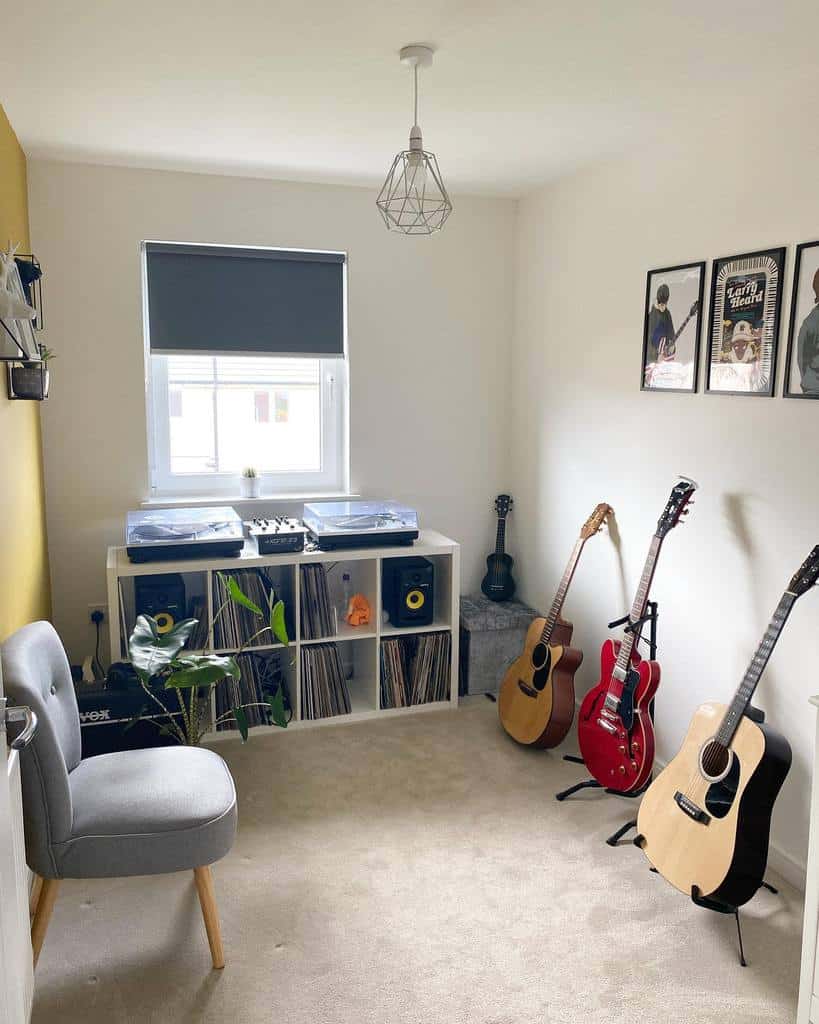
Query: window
(261,404)
(211,418)
(212,412)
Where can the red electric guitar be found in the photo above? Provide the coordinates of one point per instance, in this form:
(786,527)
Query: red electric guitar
(614,728)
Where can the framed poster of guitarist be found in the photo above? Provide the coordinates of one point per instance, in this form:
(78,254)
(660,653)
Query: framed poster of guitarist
(671,328)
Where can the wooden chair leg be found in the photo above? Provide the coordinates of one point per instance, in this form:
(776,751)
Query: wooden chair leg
(45,905)
(34,896)
(207,899)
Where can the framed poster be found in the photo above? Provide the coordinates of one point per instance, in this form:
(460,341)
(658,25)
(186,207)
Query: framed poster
(802,365)
(671,328)
(746,302)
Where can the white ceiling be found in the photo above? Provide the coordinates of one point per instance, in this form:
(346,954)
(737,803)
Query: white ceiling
(519,92)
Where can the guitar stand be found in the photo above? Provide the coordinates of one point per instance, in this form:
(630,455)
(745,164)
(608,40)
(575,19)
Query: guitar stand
(726,908)
(650,617)
(718,906)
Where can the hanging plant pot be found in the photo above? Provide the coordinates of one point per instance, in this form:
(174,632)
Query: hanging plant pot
(29,382)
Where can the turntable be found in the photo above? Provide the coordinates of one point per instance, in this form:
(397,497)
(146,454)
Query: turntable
(357,524)
(166,534)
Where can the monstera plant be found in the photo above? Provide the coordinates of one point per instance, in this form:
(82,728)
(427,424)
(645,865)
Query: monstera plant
(163,667)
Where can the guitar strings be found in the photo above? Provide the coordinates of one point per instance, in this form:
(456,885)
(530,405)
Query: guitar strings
(710,764)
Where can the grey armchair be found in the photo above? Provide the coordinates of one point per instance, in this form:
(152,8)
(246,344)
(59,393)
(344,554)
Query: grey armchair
(140,812)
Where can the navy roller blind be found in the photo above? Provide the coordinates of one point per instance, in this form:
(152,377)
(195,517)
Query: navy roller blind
(227,300)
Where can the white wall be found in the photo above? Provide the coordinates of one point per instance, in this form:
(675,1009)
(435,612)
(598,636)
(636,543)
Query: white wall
(583,432)
(435,376)
(430,324)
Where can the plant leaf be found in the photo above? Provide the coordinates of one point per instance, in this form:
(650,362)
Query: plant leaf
(277,623)
(203,670)
(277,713)
(237,595)
(151,651)
(241,720)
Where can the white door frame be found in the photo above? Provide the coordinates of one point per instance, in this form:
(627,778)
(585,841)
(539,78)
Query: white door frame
(16,971)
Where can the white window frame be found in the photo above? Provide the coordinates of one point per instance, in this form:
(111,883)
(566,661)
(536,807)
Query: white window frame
(332,479)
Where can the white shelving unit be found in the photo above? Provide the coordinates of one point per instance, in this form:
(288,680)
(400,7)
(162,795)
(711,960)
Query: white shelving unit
(359,645)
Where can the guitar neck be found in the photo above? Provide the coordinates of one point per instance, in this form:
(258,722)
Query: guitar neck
(750,680)
(684,325)
(640,600)
(500,536)
(562,590)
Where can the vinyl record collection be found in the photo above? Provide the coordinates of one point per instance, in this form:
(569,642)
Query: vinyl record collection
(316,611)
(323,686)
(261,677)
(236,624)
(414,669)
(197,609)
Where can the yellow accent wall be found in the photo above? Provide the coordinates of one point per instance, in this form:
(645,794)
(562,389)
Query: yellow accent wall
(25,592)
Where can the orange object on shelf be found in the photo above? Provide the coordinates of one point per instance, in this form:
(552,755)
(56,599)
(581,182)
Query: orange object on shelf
(358,610)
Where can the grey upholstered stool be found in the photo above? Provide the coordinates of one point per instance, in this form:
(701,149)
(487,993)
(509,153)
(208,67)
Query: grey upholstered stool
(139,812)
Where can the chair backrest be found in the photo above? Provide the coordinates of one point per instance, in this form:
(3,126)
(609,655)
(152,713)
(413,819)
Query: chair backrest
(36,673)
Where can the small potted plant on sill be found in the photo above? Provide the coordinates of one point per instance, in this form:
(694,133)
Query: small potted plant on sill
(250,483)
(30,379)
(163,667)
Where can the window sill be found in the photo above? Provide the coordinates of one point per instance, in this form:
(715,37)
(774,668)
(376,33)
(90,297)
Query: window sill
(197,501)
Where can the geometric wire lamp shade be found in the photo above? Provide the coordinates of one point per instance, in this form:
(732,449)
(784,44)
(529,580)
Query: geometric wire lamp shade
(413,198)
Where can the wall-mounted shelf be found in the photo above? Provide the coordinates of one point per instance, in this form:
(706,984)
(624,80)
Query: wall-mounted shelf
(359,646)
(17,342)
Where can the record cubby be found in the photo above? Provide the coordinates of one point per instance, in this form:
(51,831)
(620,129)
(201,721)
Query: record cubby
(359,647)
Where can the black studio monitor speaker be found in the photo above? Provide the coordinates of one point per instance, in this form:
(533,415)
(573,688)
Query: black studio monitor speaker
(162,597)
(409,591)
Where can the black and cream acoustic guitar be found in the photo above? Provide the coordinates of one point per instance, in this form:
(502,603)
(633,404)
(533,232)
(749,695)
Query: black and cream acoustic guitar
(498,584)
(704,822)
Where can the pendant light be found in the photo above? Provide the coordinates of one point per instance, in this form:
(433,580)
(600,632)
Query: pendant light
(413,198)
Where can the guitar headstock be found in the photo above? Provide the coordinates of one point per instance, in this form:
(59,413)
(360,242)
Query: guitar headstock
(806,575)
(594,524)
(677,505)
(503,505)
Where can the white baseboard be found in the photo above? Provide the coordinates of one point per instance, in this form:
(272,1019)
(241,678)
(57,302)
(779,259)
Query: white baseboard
(784,864)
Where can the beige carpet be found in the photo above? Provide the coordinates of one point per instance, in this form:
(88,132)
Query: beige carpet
(416,871)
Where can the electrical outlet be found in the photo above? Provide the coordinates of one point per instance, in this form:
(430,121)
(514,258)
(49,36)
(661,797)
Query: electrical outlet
(101,608)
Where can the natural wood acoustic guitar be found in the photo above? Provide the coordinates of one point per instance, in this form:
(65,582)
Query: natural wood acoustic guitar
(704,822)
(536,700)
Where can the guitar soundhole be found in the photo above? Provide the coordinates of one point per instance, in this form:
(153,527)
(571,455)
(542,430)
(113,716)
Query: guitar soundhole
(715,760)
(721,795)
(540,655)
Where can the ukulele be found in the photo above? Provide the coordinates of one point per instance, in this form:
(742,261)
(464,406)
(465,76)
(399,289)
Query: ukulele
(536,699)
(705,820)
(498,584)
(614,727)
